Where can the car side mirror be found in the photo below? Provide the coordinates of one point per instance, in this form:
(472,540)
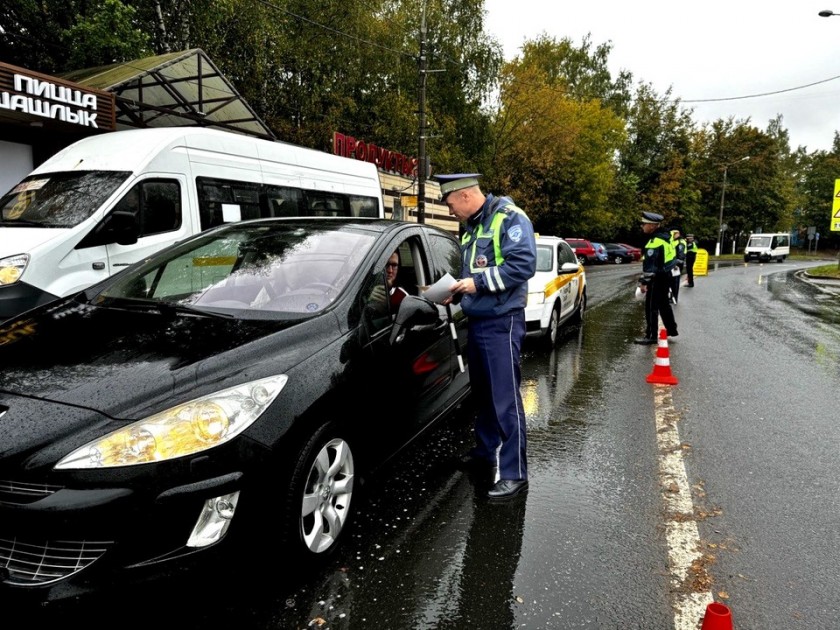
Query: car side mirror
(414,312)
(569,267)
(122,225)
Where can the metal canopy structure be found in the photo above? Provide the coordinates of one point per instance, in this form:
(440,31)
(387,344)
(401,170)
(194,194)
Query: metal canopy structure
(173,90)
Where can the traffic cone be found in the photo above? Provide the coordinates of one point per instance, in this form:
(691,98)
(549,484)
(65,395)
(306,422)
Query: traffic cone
(662,364)
(717,617)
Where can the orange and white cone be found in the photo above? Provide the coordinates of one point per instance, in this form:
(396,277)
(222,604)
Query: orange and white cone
(662,364)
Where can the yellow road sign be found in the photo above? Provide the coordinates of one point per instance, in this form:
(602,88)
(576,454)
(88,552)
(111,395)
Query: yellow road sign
(409,201)
(835,208)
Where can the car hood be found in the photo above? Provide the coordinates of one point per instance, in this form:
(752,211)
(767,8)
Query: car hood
(69,370)
(120,362)
(22,240)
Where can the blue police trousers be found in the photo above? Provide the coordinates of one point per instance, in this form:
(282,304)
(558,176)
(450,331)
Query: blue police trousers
(493,350)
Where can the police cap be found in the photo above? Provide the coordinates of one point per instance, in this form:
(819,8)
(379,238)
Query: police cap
(456,181)
(652,217)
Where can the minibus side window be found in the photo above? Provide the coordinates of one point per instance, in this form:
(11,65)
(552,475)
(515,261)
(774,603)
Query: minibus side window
(364,206)
(254,200)
(214,193)
(282,201)
(322,204)
(160,206)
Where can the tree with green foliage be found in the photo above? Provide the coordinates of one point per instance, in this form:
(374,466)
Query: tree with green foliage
(820,170)
(55,36)
(656,160)
(553,148)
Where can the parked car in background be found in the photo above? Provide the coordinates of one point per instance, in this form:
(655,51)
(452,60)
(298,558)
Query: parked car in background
(231,391)
(600,252)
(618,254)
(634,251)
(584,251)
(557,292)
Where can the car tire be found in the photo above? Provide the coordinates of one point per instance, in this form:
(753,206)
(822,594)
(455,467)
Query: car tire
(580,313)
(618,260)
(582,259)
(320,495)
(553,329)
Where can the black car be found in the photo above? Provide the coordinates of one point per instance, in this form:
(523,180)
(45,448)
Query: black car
(237,386)
(618,254)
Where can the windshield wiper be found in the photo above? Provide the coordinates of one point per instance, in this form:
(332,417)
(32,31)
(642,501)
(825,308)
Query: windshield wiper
(169,309)
(176,308)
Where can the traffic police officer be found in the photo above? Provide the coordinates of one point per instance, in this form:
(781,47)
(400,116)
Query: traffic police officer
(690,257)
(498,257)
(680,247)
(658,261)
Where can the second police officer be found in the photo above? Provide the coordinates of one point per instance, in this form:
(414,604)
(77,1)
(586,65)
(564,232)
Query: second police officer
(690,257)
(680,249)
(657,263)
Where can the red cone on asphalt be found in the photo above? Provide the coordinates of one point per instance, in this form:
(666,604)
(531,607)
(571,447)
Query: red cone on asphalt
(717,617)
(662,364)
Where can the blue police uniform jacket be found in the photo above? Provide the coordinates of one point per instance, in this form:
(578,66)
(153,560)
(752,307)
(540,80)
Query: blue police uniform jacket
(499,252)
(659,257)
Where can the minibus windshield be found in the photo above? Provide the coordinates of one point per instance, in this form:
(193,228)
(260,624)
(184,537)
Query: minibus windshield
(58,200)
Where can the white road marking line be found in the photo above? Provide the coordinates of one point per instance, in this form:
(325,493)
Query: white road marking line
(680,528)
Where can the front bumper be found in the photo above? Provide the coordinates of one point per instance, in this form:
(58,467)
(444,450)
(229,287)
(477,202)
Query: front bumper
(58,542)
(536,318)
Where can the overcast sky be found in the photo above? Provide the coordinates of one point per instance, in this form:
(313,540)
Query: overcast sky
(706,49)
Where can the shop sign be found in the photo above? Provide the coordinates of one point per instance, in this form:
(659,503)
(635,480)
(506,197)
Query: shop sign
(47,97)
(385,159)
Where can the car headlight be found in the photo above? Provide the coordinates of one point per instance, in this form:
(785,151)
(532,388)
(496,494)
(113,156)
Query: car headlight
(536,298)
(183,430)
(12,267)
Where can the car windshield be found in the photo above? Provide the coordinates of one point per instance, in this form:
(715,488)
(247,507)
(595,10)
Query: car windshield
(58,200)
(759,241)
(289,267)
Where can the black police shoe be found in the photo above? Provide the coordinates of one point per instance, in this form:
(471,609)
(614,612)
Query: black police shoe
(507,488)
(645,341)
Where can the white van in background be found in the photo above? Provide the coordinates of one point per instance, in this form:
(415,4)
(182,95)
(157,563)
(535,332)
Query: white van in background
(110,200)
(767,247)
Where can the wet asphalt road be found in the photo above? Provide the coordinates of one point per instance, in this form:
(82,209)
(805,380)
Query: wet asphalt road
(757,360)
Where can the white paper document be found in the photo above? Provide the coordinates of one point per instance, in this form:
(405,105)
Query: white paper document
(439,291)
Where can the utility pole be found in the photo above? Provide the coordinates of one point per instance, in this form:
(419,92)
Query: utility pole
(421,149)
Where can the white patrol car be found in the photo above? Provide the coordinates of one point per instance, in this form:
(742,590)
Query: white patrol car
(557,292)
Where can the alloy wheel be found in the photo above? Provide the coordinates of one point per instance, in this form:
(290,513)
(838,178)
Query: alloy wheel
(326,495)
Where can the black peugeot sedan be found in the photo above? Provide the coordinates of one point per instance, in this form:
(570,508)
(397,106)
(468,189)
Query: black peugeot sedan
(237,386)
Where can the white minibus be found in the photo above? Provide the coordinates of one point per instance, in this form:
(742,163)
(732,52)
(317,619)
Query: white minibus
(109,200)
(767,247)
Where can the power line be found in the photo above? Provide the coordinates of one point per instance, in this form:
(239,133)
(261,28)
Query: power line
(740,98)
